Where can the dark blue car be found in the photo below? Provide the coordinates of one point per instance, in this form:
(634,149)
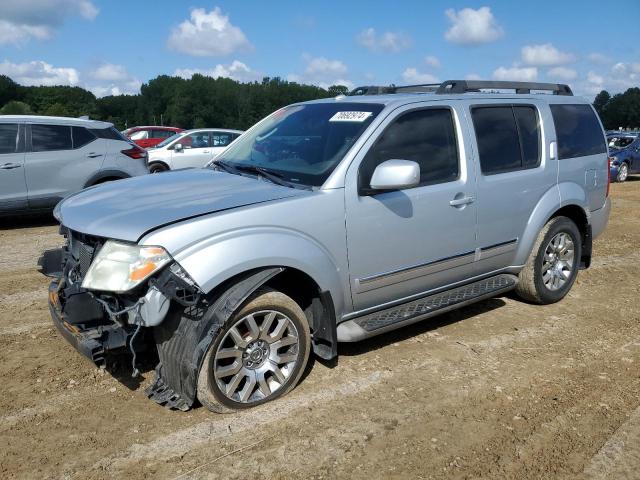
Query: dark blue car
(624,150)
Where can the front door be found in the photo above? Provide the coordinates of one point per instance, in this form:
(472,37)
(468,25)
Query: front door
(195,152)
(406,242)
(13,188)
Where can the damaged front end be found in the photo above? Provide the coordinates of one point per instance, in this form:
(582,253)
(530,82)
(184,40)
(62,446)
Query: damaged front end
(99,322)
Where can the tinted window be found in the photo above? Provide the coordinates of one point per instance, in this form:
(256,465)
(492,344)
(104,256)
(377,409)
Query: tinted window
(424,136)
(508,138)
(527,121)
(9,139)
(81,137)
(162,133)
(46,138)
(110,133)
(577,130)
(221,139)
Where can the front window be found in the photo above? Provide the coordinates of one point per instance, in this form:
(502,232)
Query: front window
(302,143)
(172,138)
(195,140)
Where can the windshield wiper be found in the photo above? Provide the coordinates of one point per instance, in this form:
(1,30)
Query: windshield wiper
(222,165)
(272,176)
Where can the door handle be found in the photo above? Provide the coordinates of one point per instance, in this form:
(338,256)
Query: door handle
(93,155)
(9,166)
(206,151)
(457,202)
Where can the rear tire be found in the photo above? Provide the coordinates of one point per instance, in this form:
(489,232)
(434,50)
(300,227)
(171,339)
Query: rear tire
(623,173)
(257,356)
(553,264)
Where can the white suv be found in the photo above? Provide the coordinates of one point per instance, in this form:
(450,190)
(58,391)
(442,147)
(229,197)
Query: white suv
(191,148)
(44,159)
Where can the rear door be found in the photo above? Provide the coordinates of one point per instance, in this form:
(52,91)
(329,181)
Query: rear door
(582,150)
(53,167)
(220,141)
(13,187)
(514,174)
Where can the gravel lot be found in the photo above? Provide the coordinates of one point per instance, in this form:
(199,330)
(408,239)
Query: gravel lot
(500,389)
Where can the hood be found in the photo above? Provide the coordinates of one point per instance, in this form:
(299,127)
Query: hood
(127,209)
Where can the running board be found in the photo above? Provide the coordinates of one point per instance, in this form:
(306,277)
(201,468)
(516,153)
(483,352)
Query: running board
(425,307)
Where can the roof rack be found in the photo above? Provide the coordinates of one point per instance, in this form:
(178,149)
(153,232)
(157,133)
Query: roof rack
(464,86)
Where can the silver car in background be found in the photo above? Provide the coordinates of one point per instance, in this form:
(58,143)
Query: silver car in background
(332,221)
(44,159)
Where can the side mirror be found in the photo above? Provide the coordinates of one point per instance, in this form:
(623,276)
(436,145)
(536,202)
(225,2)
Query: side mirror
(178,147)
(395,175)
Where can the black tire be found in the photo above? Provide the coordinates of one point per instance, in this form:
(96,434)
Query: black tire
(531,285)
(210,392)
(623,172)
(158,168)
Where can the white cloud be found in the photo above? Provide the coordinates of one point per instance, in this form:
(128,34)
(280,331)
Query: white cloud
(236,70)
(545,55)
(562,73)
(21,21)
(412,76)
(518,74)
(385,42)
(433,62)
(208,34)
(39,73)
(616,79)
(323,72)
(113,80)
(469,26)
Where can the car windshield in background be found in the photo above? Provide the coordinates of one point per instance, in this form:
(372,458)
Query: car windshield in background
(167,141)
(302,144)
(620,142)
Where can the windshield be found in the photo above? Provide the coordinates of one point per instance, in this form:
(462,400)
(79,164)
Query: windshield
(620,142)
(167,141)
(303,143)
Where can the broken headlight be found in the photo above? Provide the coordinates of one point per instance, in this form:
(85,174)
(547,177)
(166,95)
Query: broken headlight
(119,267)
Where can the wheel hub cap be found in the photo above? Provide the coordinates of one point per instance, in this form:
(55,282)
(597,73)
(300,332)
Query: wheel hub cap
(255,354)
(558,261)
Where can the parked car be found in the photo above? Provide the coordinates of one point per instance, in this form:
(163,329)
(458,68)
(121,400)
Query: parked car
(191,148)
(624,149)
(331,221)
(150,136)
(43,159)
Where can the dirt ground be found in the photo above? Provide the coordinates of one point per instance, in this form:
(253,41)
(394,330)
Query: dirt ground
(501,389)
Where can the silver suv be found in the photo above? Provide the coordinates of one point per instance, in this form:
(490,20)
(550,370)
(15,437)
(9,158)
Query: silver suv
(43,159)
(331,221)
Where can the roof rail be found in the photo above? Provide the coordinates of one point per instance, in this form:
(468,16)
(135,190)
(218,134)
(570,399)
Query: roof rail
(382,90)
(464,86)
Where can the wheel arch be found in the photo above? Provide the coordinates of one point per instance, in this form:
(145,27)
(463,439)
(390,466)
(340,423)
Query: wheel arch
(161,162)
(104,176)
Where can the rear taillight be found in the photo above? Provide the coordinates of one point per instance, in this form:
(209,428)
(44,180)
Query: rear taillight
(135,152)
(609,160)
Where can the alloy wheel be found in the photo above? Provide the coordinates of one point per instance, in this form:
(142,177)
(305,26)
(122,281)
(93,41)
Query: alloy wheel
(558,261)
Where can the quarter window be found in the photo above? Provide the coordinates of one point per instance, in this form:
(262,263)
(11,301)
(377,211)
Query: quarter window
(578,131)
(81,137)
(508,137)
(424,136)
(9,139)
(45,138)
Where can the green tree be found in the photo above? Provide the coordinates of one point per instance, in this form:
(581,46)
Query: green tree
(15,107)
(601,101)
(335,90)
(9,90)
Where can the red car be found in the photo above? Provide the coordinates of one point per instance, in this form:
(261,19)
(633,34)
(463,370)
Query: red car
(150,136)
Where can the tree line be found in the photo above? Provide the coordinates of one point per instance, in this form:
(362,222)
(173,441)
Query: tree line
(219,102)
(187,103)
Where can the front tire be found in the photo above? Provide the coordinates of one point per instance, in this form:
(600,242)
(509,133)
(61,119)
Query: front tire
(553,264)
(623,173)
(259,355)
(158,168)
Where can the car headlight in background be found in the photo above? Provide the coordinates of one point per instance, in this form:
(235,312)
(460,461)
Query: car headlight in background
(119,267)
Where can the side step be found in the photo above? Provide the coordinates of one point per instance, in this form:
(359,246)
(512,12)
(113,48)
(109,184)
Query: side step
(416,310)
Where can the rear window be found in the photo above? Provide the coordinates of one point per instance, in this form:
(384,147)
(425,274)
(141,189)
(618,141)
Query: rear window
(46,138)
(508,137)
(81,137)
(110,133)
(578,131)
(9,138)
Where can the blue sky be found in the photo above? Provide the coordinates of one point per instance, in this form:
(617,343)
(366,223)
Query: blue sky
(114,46)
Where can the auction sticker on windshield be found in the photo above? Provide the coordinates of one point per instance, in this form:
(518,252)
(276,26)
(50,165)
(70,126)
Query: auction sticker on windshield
(350,116)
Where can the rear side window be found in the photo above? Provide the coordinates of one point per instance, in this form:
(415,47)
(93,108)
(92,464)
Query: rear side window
(110,133)
(161,133)
(221,139)
(81,137)
(578,131)
(424,136)
(9,138)
(508,137)
(46,138)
